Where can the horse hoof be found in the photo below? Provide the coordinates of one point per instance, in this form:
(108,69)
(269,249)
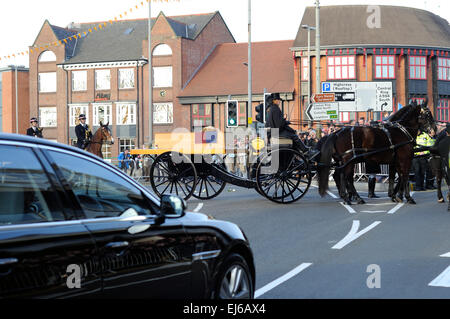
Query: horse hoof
(361,201)
(399,200)
(411,201)
(441,200)
(349,203)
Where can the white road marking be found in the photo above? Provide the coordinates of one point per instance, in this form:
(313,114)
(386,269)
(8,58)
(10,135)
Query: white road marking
(198,208)
(396,208)
(350,210)
(332,195)
(328,192)
(282,279)
(443,280)
(354,234)
(445,255)
(373,211)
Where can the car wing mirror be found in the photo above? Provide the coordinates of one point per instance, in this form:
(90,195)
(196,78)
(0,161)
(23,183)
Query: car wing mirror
(171,207)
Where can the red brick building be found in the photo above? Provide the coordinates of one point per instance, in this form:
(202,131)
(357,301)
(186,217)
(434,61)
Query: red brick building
(8,100)
(409,47)
(104,74)
(224,75)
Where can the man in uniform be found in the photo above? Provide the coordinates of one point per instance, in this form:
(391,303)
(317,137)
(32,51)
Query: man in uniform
(275,120)
(34,130)
(420,161)
(83,132)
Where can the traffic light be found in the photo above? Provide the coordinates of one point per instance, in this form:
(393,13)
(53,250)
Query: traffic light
(261,109)
(260,113)
(232,113)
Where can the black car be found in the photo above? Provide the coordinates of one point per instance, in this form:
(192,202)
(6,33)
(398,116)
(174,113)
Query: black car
(72,225)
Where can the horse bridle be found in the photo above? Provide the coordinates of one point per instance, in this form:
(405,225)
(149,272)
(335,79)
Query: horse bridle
(103,141)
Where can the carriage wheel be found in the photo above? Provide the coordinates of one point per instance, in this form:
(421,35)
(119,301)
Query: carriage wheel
(208,186)
(285,180)
(173,173)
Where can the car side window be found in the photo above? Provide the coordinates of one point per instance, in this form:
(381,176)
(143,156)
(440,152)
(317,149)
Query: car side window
(101,192)
(26,194)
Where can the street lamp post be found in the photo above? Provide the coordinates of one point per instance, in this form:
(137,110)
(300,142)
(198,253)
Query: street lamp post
(309,28)
(150,77)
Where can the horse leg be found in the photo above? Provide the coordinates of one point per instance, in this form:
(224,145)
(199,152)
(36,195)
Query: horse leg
(398,191)
(391,193)
(343,189)
(438,174)
(351,186)
(405,173)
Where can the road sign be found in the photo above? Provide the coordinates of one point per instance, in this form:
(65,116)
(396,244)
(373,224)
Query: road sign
(323,111)
(361,96)
(323,98)
(345,96)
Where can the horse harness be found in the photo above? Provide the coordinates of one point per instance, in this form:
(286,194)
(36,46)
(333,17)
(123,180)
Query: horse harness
(367,152)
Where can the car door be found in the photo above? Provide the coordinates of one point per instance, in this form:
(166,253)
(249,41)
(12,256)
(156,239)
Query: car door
(44,252)
(139,258)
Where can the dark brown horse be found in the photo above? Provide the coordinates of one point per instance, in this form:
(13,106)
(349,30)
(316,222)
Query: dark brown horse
(102,136)
(391,143)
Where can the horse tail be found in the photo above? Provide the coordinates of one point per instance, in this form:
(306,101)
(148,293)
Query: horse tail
(324,168)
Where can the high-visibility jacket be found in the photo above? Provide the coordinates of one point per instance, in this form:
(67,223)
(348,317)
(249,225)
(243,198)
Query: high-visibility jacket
(424,140)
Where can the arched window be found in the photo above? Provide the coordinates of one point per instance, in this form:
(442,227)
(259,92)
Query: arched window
(47,56)
(162,49)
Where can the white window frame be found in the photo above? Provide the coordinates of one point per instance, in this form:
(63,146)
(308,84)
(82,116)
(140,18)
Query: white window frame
(443,69)
(47,56)
(43,117)
(98,78)
(161,116)
(81,84)
(129,143)
(73,117)
(129,83)
(162,78)
(341,67)
(107,118)
(48,88)
(121,113)
(305,69)
(162,50)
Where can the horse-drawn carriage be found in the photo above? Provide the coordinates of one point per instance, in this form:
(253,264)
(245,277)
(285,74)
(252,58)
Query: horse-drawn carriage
(282,174)
(279,173)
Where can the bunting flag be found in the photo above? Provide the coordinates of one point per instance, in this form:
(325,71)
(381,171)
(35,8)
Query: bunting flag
(85,33)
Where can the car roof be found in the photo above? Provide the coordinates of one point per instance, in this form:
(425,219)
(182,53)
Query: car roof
(42,142)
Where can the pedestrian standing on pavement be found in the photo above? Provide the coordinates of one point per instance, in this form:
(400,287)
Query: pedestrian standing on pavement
(124,160)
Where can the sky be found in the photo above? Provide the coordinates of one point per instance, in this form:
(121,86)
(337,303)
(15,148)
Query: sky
(21,20)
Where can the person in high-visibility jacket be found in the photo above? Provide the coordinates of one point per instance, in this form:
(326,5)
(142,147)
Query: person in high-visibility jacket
(421,164)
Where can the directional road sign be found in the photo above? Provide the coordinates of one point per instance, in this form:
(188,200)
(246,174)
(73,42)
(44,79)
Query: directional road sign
(323,111)
(323,98)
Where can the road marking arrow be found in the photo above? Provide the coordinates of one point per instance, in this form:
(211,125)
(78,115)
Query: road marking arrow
(354,234)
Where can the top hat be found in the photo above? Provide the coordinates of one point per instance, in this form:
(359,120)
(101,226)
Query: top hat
(276,96)
(82,117)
